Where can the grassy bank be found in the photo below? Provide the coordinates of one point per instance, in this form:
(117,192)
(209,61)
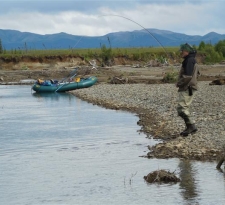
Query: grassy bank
(103,53)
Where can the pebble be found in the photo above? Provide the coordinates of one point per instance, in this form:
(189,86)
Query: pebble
(159,102)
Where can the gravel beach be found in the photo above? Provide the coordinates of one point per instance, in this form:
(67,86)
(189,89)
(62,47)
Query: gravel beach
(146,95)
(156,104)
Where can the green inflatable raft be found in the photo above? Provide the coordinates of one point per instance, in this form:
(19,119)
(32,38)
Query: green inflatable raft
(54,86)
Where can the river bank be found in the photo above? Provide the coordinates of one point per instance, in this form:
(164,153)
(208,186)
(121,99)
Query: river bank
(133,73)
(145,93)
(155,105)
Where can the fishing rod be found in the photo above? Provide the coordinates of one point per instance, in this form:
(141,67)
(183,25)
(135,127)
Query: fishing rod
(135,23)
(140,26)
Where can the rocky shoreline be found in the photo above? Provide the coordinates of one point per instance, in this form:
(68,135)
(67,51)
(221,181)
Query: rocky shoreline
(155,105)
(153,100)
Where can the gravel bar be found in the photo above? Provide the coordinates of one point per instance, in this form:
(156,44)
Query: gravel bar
(156,104)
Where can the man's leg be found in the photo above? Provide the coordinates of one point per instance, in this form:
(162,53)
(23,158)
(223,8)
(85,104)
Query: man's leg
(184,103)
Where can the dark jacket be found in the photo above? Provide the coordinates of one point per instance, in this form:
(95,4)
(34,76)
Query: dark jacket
(188,73)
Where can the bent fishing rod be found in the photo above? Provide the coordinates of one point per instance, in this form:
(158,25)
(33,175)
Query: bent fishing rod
(138,25)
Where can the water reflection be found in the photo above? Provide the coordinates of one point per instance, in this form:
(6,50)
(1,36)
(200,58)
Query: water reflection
(55,96)
(187,184)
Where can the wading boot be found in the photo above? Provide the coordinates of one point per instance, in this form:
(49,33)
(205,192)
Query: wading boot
(186,120)
(191,128)
(183,131)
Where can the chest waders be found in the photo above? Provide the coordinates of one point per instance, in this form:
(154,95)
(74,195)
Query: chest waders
(185,99)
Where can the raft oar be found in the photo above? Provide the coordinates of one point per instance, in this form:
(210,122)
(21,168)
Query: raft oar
(71,75)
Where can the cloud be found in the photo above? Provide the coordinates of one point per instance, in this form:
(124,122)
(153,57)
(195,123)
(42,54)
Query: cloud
(94,18)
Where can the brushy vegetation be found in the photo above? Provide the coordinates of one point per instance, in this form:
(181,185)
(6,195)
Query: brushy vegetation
(134,53)
(214,54)
(171,76)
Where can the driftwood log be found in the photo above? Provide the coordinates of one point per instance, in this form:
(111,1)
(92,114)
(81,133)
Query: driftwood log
(117,80)
(218,82)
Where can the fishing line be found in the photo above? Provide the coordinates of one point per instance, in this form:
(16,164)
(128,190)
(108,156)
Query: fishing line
(138,25)
(77,41)
(135,23)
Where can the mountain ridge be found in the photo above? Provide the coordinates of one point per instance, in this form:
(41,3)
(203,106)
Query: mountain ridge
(14,39)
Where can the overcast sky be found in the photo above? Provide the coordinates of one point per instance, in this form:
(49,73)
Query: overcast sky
(96,18)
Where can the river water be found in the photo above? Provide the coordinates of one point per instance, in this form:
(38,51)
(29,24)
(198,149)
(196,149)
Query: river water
(58,149)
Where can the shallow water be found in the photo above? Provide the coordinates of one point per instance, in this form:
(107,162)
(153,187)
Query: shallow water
(57,149)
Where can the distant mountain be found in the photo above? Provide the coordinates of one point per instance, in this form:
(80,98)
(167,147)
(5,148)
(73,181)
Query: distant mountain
(12,39)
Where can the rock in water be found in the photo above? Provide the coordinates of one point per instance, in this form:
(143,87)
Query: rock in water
(161,176)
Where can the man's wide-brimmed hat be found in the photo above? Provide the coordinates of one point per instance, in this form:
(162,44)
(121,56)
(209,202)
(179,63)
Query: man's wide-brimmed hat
(186,47)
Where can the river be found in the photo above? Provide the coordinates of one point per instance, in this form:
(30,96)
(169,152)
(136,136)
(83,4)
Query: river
(58,149)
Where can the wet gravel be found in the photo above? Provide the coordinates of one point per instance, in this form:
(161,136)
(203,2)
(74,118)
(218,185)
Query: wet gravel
(156,106)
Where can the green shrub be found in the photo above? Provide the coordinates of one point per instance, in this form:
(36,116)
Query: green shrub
(214,54)
(106,54)
(220,47)
(24,67)
(170,76)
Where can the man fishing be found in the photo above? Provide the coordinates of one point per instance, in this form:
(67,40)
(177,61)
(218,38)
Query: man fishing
(187,84)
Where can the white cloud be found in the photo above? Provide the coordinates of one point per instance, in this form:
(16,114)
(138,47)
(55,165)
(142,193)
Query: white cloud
(188,18)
